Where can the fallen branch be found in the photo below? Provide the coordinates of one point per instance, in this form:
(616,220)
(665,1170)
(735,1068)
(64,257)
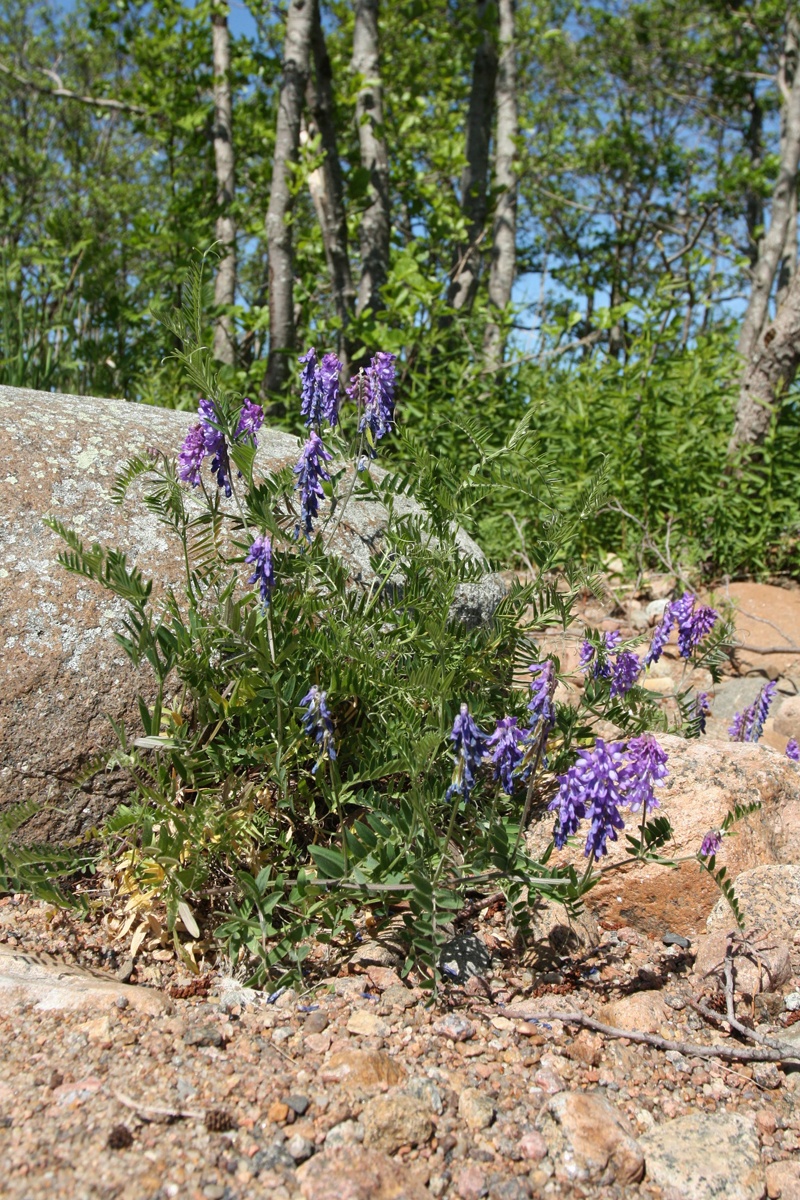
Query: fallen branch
(691,1049)
(152,1112)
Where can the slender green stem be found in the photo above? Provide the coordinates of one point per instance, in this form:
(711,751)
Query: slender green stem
(336,788)
(278,698)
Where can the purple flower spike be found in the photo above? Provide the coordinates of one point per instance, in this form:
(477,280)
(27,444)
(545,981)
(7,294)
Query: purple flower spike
(374,389)
(660,636)
(758,712)
(541,705)
(624,672)
(310,469)
(586,655)
(738,725)
(318,723)
(702,710)
(711,843)
(612,639)
(251,418)
(694,624)
(191,455)
(646,769)
(506,754)
(216,446)
(260,555)
(594,787)
(793,750)
(319,386)
(469,743)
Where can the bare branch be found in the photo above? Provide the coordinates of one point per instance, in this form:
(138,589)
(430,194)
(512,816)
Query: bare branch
(62,93)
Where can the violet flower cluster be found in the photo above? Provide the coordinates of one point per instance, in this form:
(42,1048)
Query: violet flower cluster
(319,386)
(693,621)
(504,751)
(793,750)
(701,710)
(260,555)
(623,670)
(373,391)
(318,723)
(469,743)
(310,471)
(748,726)
(604,779)
(711,843)
(541,706)
(206,440)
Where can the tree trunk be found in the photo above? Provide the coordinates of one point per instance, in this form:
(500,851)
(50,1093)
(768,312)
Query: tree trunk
(475,176)
(780,216)
(225,282)
(769,373)
(754,201)
(504,227)
(375,223)
(297,46)
(325,183)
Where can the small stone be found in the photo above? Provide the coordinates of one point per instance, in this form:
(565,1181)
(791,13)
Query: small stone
(601,1147)
(394,1121)
(783,1180)
(363,1069)
(509,1189)
(398,996)
(375,954)
(203,1035)
(792,1001)
(125,971)
(355,1173)
(766,1121)
(471,1183)
(675,939)
(122,1003)
(427,1091)
(464,956)
(454,1027)
(643,1011)
(533,1146)
(548,1081)
(297,1103)
(475,1109)
(287,999)
(383,978)
(318,1043)
(315,1022)
(299,1147)
(273,1157)
(277,1112)
(706,1157)
(346,1133)
(366,1023)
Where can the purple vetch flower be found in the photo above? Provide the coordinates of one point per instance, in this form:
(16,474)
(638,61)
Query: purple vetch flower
(757,713)
(310,469)
(645,769)
(468,742)
(319,386)
(612,639)
(216,446)
(251,418)
(373,390)
(695,626)
(318,723)
(541,707)
(586,655)
(660,636)
(506,754)
(711,843)
(624,672)
(737,727)
(191,455)
(793,750)
(593,787)
(260,555)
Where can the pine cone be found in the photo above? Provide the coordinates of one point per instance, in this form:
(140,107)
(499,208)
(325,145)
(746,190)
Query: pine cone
(219,1120)
(120,1138)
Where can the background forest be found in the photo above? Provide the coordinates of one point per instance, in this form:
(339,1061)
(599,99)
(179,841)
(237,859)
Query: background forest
(589,209)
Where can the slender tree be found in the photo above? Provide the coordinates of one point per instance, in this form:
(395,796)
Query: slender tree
(772,245)
(475,176)
(376,219)
(325,183)
(504,227)
(297,47)
(225,282)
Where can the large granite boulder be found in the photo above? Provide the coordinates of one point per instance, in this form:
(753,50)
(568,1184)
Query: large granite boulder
(62,674)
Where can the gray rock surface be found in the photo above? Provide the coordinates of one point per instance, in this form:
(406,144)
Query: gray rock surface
(62,673)
(703,1157)
(45,983)
(598,1144)
(769,900)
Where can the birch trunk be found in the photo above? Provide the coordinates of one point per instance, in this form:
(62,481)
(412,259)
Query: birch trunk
(773,242)
(375,222)
(225,282)
(325,183)
(769,373)
(475,176)
(297,46)
(504,226)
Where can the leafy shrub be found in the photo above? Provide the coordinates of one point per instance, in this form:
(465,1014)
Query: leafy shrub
(318,748)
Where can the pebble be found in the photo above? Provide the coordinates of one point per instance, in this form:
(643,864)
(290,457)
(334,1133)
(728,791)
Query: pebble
(675,939)
(471,1183)
(454,1027)
(393,1121)
(366,1023)
(792,1002)
(705,1157)
(299,1147)
(475,1109)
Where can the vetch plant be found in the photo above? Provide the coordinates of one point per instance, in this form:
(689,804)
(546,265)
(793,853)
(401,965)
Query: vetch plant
(320,748)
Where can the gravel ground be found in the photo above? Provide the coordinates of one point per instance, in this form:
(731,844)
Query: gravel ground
(361,1063)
